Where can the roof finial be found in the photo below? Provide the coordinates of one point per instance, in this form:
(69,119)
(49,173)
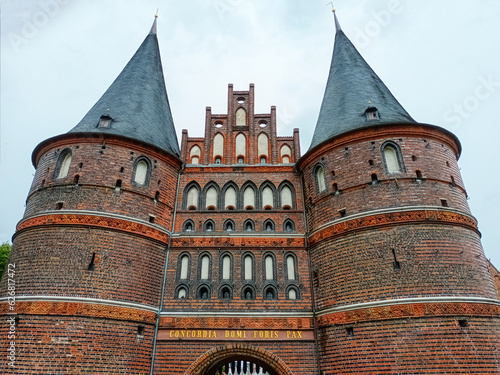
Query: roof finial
(153,28)
(337,24)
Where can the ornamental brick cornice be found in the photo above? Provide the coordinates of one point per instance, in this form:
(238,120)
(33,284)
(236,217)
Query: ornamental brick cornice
(392,217)
(79,309)
(243,241)
(410,310)
(100,220)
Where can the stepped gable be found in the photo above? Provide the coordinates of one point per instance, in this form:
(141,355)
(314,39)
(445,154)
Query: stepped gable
(136,104)
(353,90)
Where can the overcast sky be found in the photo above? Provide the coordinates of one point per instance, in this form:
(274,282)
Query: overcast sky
(441,59)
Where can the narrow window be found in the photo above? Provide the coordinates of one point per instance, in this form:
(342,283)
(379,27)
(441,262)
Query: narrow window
(370,162)
(228,226)
(248,266)
(218,146)
(226,267)
(269,226)
(241,117)
(374,179)
(204,293)
(335,188)
(64,163)
(263,146)
(209,226)
(92,263)
(157,196)
(141,172)
(285,154)
(249,197)
(269,265)
(211,198)
(262,160)
(267,197)
(290,267)
(396,263)
(195,154)
(76,179)
(241,147)
(391,159)
(192,198)
(230,197)
(453,181)
(249,226)
(292,294)
(140,331)
(118,185)
(205,267)
(184,267)
(226,293)
(419,175)
(270,293)
(320,178)
(286,197)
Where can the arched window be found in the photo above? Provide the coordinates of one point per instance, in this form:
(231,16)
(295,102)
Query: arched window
(269,267)
(229,225)
(63,163)
(204,267)
(285,154)
(204,292)
(230,198)
(248,293)
(248,267)
(249,226)
(292,293)
(225,293)
(289,225)
(182,292)
(209,226)
(320,178)
(290,267)
(141,172)
(263,146)
(249,197)
(392,158)
(241,147)
(192,198)
(269,225)
(267,197)
(188,226)
(218,147)
(226,267)
(195,155)
(211,198)
(286,197)
(184,267)
(241,117)
(270,293)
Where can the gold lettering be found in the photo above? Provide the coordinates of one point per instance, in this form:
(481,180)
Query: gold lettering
(266,334)
(288,334)
(183,333)
(226,334)
(199,334)
(299,334)
(171,334)
(205,334)
(261,334)
(176,334)
(239,335)
(255,333)
(275,334)
(244,334)
(215,334)
(187,333)
(193,334)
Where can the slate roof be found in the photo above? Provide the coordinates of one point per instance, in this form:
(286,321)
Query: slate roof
(137,102)
(351,89)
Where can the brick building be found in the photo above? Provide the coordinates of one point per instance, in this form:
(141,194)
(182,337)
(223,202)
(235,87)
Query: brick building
(235,253)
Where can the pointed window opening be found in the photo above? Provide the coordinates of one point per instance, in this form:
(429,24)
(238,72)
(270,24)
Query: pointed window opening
(91,266)
(229,226)
(188,226)
(289,225)
(226,267)
(209,226)
(292,294)
(248,267)
(182,293)
(392,158)
(63,163)
(226,293)
(270,293)
(141,172)
(249,226)
(248,293)
(320,178)
(204,267)
(204,293)
(184,272)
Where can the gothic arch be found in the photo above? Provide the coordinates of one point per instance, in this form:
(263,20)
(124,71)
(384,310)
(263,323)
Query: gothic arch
(210,360)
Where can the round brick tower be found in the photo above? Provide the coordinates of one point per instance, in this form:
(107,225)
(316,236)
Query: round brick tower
(400,279)
(90,251)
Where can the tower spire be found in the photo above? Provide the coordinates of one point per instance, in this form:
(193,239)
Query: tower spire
(153,27)
(351,85)
(136,104)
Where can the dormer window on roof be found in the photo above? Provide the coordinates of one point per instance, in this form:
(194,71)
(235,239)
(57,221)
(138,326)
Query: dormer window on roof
(105,121)
(371,113)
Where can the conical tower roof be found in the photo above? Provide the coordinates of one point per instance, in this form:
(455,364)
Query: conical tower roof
(136,104)
(352,90)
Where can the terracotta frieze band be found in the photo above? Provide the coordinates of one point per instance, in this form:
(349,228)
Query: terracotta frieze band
(90,219)
(390,218)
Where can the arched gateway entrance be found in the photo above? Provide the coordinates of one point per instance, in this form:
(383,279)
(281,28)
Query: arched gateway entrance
(238,360)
